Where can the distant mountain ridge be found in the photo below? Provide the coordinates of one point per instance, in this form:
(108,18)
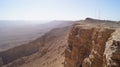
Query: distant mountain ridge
(16,33)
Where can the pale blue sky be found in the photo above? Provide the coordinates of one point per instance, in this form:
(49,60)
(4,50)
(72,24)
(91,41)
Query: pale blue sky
(59,9)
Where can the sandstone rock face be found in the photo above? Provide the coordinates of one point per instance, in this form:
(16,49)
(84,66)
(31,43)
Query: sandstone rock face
(112,51)
(90,45)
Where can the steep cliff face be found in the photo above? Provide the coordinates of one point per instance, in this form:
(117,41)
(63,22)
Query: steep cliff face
(112,50)
(93,44)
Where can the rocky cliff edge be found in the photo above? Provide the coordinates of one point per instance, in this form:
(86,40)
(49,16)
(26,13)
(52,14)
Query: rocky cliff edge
(93,43)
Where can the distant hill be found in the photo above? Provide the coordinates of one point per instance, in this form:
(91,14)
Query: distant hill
(14,33)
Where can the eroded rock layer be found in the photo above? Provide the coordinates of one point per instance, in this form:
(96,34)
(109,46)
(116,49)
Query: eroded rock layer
(93,44)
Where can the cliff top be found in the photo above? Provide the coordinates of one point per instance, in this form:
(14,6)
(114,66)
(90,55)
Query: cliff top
(89,22)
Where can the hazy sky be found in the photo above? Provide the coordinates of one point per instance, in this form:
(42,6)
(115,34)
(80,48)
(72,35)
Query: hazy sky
(59,9)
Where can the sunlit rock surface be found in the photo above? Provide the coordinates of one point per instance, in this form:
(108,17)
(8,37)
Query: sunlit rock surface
(93,43)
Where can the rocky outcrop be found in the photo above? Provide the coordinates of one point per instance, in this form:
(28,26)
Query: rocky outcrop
(93,44)
(112,50)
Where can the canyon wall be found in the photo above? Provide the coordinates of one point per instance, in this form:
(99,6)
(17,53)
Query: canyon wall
(93,43)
